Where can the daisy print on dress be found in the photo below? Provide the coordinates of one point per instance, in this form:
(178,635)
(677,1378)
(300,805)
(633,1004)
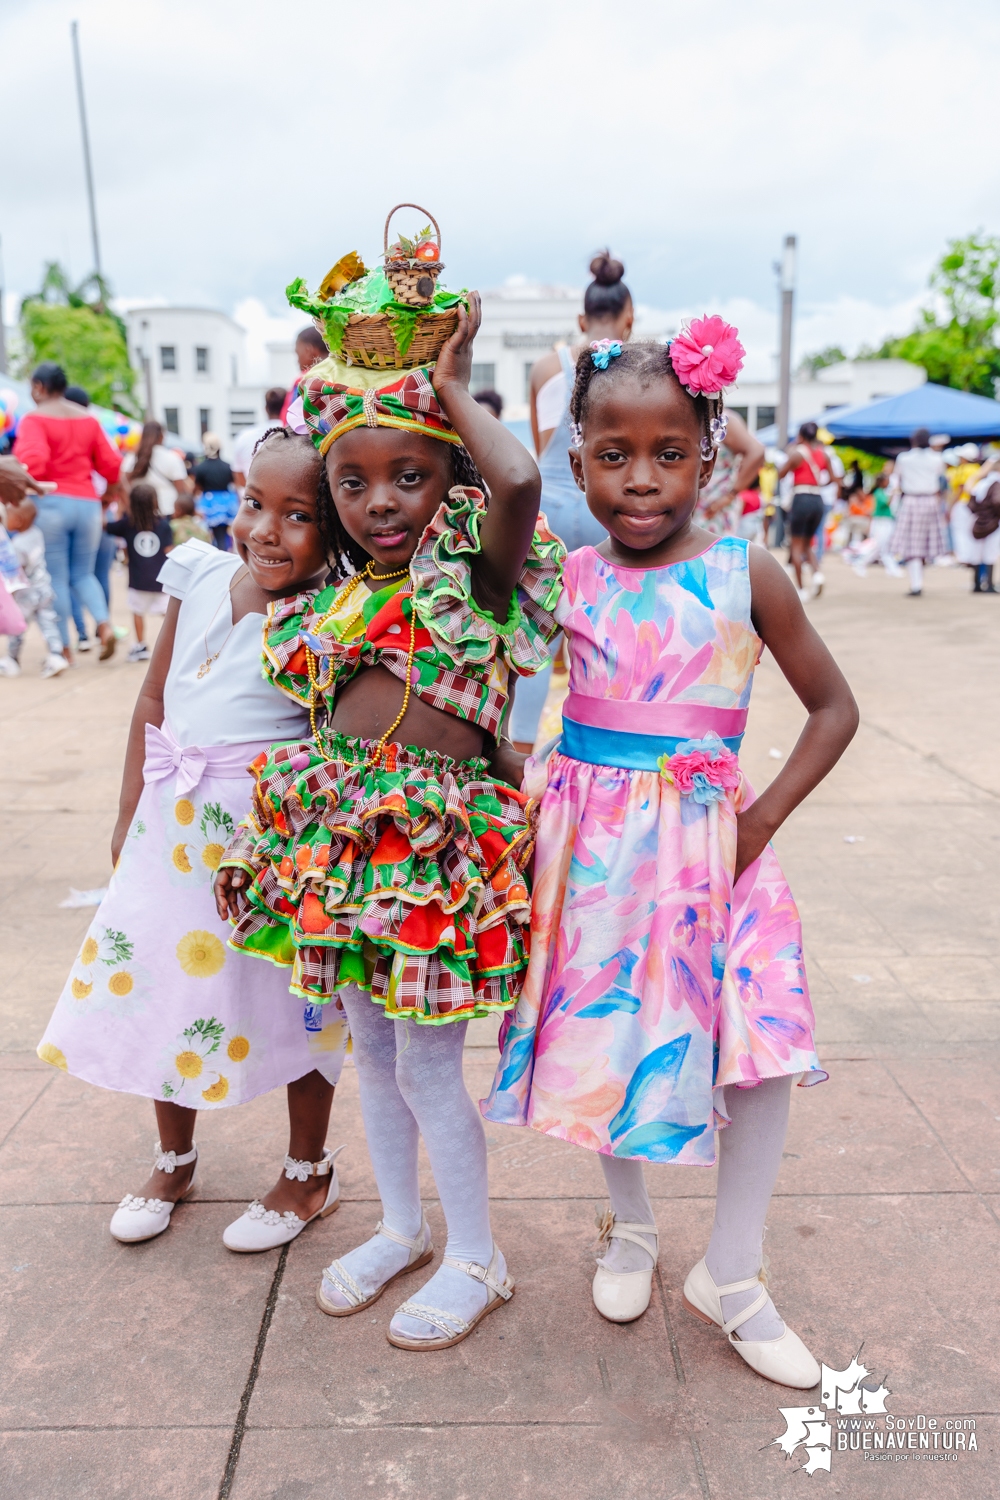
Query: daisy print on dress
(202,834)
(106,976)
(193,1064)
(200,954)
(242,1048)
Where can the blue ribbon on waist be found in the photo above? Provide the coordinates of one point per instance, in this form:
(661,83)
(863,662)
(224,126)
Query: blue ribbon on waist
(620,747)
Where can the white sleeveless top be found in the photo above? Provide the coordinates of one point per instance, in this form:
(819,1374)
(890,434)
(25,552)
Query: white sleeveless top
(551,401)
(231,704)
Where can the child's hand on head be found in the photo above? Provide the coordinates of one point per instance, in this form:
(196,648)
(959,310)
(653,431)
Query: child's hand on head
(454,363)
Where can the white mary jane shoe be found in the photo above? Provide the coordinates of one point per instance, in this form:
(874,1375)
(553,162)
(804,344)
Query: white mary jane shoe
(623,1296)
(785,1360)
(261,1228)
(138,1219)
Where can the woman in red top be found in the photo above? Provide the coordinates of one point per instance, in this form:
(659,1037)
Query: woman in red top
(810,470)
(60,442)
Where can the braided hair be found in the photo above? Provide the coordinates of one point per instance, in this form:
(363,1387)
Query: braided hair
(645,361)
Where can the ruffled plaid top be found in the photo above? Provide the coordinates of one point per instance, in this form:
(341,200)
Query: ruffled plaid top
(462,657)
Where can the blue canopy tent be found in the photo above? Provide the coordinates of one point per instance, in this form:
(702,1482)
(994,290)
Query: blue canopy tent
(885,426)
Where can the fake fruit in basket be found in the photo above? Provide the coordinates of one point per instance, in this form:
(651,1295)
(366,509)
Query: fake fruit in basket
(422,247)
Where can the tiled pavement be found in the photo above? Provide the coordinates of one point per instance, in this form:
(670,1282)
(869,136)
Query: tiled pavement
(176,1369)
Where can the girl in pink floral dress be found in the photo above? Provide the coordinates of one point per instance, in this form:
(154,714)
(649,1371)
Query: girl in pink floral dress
(666,996)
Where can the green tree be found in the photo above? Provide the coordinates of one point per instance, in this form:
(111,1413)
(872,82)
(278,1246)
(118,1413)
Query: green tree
(956,339)
(831,355)
(75,327)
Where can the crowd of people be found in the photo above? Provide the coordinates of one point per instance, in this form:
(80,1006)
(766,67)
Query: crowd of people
(71,504)
(931,503)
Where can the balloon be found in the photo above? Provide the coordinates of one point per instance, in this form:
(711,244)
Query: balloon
(122,431)
(8,411)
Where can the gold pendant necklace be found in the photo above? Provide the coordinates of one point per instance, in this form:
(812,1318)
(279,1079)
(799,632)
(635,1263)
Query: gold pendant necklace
(212,657)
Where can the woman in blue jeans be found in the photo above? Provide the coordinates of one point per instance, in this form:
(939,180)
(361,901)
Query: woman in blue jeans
(106,548)
(61,443)
(607,314)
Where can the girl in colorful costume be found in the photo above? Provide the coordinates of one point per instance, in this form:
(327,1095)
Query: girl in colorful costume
(155,1004)
(382,861)
(666,995)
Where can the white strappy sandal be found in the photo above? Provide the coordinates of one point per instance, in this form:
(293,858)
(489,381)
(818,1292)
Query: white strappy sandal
(623,1296)
(261,1228)
(454,1328)
(138,1219)
(785,1360)
(421,1251)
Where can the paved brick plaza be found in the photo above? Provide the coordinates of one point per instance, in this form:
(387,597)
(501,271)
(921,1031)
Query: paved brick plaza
(174,1368)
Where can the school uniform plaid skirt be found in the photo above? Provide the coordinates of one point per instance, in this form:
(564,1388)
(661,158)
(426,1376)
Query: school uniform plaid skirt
(919,529)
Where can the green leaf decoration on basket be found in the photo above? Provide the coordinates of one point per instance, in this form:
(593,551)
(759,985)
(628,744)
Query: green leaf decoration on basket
(369,296)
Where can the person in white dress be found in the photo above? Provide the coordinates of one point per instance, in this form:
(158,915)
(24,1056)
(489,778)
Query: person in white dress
(156,1003)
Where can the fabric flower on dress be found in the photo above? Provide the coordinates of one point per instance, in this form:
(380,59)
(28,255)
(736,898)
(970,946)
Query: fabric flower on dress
(703,770)
(707,356)
(603,351)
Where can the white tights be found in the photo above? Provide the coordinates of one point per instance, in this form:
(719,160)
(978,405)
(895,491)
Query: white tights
(915,568)
(750,1150)
(411,1084)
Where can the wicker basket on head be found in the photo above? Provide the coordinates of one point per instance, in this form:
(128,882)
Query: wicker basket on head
(412,281)
(369,341)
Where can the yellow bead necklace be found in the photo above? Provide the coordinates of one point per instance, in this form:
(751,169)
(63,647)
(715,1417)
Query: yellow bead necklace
(378,750)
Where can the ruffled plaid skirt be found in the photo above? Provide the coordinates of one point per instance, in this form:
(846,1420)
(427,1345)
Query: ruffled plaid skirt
(406,877)
(919,531)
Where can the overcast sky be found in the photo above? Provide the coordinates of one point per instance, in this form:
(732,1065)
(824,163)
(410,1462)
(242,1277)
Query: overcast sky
(239,143)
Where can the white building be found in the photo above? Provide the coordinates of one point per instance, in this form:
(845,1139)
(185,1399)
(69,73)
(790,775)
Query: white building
(191,363)
(852,383)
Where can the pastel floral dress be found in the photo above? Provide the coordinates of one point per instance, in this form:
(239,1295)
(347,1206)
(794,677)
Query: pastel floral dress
(652,982)
(155,1003)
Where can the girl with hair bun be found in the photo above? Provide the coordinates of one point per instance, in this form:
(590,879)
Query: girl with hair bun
(607,314)
(666,994)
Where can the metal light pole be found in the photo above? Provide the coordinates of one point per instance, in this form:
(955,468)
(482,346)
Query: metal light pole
(787,285)
(74,32)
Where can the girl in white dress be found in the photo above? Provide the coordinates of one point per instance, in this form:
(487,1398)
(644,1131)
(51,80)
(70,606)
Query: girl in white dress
(155,1003)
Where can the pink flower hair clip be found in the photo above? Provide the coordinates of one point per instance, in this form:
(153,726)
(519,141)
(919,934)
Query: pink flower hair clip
(706,356)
